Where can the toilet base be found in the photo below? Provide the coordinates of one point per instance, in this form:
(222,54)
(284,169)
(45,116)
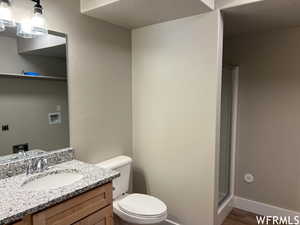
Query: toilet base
(119,221)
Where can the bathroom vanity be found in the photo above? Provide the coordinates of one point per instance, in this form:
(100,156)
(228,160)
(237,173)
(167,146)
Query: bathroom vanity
(66,192)
(91,208)
(39,186)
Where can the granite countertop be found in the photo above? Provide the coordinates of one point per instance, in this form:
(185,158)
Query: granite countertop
(16,202)
(16,156)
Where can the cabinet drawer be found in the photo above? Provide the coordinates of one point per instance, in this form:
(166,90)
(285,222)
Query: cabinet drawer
(75,209)
(102,217)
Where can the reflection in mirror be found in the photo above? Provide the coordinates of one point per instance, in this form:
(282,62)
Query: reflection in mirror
(33,94)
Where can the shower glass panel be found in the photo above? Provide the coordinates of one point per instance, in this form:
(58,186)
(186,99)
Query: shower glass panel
(225,134)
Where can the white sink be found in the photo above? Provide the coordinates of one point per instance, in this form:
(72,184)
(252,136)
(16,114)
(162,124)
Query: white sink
(52,180)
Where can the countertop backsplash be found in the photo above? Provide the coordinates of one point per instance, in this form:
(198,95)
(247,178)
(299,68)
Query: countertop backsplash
(16,167)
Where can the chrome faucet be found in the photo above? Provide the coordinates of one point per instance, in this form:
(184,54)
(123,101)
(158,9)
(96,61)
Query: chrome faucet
(22,154)
(42,165)
(36,166)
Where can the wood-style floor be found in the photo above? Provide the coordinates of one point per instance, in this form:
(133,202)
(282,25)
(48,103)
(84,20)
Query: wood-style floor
(239,217)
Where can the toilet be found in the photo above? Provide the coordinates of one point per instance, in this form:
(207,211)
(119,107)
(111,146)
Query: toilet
(132,208)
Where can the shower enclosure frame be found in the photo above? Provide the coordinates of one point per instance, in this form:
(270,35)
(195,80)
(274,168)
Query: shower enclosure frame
(226,206)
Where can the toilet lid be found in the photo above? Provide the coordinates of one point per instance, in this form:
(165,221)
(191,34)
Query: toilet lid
(142,205)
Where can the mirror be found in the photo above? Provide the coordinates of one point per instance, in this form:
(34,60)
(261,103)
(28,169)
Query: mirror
(34,113)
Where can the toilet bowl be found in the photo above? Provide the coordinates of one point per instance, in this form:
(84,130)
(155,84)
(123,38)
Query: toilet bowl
(140,209)
(133,208)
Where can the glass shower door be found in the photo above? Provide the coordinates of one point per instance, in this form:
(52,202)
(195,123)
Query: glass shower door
(225,134)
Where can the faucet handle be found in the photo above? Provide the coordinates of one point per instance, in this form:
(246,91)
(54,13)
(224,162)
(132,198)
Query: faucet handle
(29,167)
(45,164)
(22,153)
(39,165)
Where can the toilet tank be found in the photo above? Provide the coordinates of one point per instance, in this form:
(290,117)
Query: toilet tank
(121,164)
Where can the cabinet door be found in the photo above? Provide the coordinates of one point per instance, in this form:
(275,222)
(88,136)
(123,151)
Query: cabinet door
(74,210)
(102,217)
(25,221)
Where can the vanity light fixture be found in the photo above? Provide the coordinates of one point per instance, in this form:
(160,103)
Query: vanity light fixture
(6,17)
(38,21)
(2,27)
(34,27)
(24,29)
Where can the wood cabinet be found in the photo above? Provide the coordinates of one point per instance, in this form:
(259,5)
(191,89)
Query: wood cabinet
(101,217)
(25,221)
(91,208)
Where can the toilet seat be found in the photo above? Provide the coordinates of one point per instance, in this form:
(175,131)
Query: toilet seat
(140,209)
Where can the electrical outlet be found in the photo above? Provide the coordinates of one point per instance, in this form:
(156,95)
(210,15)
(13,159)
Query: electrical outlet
(20,148)
(5,127)
(54,118)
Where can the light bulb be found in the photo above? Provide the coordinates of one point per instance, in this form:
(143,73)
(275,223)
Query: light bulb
(38,21)
(2,27)
(6,17)
(24,29)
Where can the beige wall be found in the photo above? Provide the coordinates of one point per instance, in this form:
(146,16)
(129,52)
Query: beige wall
(268,116)
(99,79)
(175,90)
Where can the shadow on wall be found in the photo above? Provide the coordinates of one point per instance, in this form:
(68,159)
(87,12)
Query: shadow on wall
(139,181)
(140,186)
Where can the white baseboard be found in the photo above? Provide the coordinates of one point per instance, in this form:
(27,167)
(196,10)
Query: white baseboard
(262,208)
(169,222)
(224,210)
(259,208)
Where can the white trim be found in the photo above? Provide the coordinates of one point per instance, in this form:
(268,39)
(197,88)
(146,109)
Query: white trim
(235,102)
(224,4)
(226,207)
(169,222)
(218,117)
(229,202)
(262,208)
